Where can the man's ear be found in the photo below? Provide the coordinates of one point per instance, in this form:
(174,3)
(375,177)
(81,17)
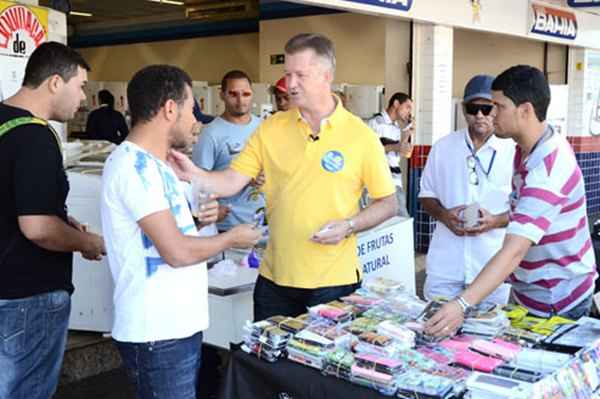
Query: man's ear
(170,110)
(54,83)
(526,111)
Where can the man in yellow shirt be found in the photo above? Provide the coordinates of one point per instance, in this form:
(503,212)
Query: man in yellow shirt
(316,158)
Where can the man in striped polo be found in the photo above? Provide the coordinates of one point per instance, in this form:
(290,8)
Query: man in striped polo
(547,254)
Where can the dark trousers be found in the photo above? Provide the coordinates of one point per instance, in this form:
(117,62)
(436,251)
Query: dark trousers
(271,299)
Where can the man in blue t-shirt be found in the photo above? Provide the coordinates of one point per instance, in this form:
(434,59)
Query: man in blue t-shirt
(224,138)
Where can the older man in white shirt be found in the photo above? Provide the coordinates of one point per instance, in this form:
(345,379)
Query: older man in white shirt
(467,172)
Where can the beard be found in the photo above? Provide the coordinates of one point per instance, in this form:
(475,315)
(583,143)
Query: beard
(178,140)
(238,112)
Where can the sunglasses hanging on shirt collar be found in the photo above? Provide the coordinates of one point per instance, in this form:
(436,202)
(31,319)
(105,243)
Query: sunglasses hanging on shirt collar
(473,109)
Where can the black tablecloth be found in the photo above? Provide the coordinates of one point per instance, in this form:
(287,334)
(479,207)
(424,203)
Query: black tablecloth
(248,377)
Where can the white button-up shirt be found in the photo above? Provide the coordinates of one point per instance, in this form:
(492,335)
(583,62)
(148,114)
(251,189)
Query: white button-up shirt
(446,178)
(385,127)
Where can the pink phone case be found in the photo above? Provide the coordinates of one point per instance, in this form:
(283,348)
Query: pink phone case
(458,343)
(477,362)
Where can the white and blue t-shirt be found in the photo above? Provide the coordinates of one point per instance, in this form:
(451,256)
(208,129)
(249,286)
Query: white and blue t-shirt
(219,143)
(153,301)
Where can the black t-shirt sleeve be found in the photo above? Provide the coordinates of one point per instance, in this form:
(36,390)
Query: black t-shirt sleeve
(38,165)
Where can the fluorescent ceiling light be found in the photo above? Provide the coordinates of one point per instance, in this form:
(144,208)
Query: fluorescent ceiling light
(172,2)
(80,14)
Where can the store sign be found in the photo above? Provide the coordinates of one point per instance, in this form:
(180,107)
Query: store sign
(583,3)
(402,5)
(22,29)
(553,22)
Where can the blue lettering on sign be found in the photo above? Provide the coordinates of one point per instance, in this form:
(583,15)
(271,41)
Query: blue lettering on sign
(402,5)
(375,244)
(333,161)
(376,264)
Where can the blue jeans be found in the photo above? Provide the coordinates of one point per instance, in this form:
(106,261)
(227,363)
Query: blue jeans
(33,335)
(163,369)
(580,310)
(271,299)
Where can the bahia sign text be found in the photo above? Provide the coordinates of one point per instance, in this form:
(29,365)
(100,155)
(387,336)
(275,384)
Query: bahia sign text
(553,22)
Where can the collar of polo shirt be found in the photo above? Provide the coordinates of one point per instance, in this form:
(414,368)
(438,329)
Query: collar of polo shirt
(331,120)
(492,141)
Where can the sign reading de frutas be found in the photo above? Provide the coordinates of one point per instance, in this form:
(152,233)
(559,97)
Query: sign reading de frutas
(554,22)
(22,29)
(402,5)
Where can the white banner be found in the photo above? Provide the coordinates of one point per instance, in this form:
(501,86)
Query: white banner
(388,251)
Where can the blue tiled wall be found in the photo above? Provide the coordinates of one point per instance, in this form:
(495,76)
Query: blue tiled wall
(423,223)
(589,162)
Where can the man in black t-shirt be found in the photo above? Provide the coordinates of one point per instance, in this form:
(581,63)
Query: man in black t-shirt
(37,237)
(106,123)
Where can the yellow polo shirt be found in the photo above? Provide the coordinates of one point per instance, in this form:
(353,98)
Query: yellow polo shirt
(308,184)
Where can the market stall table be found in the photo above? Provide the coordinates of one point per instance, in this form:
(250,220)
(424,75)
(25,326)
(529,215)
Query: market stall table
(248,377)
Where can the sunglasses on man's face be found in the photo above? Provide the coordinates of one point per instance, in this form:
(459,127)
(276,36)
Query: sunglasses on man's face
(473,109)
(233,93)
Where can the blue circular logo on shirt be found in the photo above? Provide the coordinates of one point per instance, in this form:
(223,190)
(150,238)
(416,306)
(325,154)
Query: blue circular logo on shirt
(333,161)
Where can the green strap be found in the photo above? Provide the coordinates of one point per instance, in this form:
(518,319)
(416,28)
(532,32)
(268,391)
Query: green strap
(23,120)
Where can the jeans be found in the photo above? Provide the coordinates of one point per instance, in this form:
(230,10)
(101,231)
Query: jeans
(581,309)
(271,299)
(163,369)
(33,335)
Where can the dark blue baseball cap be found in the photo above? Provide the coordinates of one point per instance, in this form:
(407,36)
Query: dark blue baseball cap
(479,86)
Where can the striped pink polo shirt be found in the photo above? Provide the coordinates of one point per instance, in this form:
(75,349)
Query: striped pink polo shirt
(548,207)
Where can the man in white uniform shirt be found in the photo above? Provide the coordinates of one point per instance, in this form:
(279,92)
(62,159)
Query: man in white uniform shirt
(394,128)
(469,167)
(155,255)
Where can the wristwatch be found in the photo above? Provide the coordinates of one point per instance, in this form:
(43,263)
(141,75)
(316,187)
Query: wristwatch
(351,225)
(464,305)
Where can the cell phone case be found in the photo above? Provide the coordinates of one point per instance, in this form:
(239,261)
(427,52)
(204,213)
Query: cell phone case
(494,349)
(476,361)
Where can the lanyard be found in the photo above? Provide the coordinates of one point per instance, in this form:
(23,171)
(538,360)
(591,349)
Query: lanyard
(478,161)
(29,120)
(547,133)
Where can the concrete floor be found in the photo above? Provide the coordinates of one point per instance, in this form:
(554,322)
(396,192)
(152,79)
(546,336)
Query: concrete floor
(92,367)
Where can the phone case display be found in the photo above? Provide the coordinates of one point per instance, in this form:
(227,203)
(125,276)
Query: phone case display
(572,337)
(330,313)
(416,384)
(362,324)
(338,363)
(540,360)
(486,324)
(486,386)
(377,372)
(383,286)
(378,341)
(266,340)
(399,333)
(309,348)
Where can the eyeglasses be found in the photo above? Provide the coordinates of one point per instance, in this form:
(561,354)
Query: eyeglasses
(473,109)
(471,164)
(244,94)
